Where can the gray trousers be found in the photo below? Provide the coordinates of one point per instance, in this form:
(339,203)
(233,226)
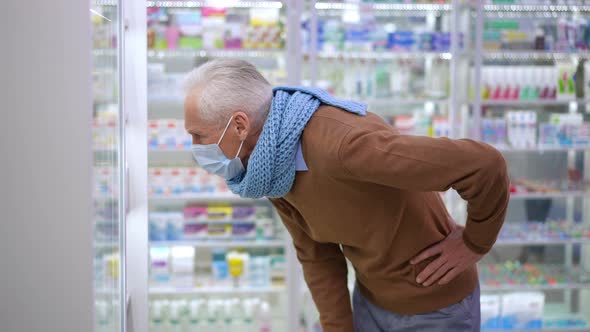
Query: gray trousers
(464,316)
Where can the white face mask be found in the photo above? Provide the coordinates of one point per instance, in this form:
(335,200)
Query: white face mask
(211,158)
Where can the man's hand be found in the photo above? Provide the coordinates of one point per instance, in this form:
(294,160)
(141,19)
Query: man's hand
(454,258)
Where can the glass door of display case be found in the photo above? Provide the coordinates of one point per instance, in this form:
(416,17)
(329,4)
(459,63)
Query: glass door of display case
(108,146)
(216,261)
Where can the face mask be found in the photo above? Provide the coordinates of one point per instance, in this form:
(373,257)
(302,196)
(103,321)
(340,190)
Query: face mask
(211,158)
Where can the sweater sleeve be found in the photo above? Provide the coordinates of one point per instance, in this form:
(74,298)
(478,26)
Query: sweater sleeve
(324,270)
(476,170)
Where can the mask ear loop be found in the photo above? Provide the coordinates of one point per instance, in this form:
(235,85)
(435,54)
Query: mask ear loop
(225,130)
(240,149)
(223,134)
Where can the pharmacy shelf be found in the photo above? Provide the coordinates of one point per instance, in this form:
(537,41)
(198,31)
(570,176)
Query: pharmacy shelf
(395,102)
(539,241)
(170,157)
(106,291)
(326,5)
(198,4)
(509,276)
(106,245)
(533,55)
(380,55)
(554,312)
(558,194)
(101,154)
(214,290)
(543,149)
(224,244)
(166,108)
(536,8)
(210,198)
(543,233)
(216,3)
(170,150)
(105,199)
(105,52)
(547,329)
(540,102)
(530,287)
(172,108)
(221,53)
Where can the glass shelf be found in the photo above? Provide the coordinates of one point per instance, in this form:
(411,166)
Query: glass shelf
(546,329)
(539,102)
(541,195)
(213,290)
(205,197)
(170,157)
(221,53)
(105,52)
(540,241)
(542,149)
(533,55)
(382,55)
(541,233)
(537,8)
(220,244)
(398,102)
(215,3)
(383,6)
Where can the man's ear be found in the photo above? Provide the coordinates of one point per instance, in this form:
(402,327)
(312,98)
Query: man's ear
(243,125)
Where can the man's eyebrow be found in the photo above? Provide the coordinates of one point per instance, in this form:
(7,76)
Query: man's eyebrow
(191,131)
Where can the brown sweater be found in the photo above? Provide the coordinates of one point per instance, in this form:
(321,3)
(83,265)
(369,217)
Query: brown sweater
(374,192)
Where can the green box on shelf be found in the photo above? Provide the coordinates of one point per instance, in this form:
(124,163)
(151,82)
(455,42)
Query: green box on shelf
(160,44)
(501,24)
(187,42)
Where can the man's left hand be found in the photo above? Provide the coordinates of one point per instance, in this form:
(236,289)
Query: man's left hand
(454,258)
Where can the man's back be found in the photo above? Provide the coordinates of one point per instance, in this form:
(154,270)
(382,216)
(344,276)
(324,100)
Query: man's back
(375,193)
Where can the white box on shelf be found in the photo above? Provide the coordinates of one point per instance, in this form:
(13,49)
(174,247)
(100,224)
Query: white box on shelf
(490,312)
(523,310)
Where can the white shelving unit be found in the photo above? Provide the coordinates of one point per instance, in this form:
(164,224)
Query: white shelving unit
(576,296)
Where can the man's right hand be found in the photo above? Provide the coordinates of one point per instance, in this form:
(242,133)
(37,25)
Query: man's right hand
(454,258)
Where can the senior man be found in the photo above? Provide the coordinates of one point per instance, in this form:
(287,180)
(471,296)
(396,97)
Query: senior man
(348,185)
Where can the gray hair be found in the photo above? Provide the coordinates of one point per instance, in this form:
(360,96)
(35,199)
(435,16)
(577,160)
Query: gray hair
(227,86)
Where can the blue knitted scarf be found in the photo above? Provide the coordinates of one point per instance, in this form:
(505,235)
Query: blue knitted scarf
(271,167)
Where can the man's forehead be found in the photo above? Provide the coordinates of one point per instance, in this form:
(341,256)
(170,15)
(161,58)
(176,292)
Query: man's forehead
(191,98)
(191,114)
